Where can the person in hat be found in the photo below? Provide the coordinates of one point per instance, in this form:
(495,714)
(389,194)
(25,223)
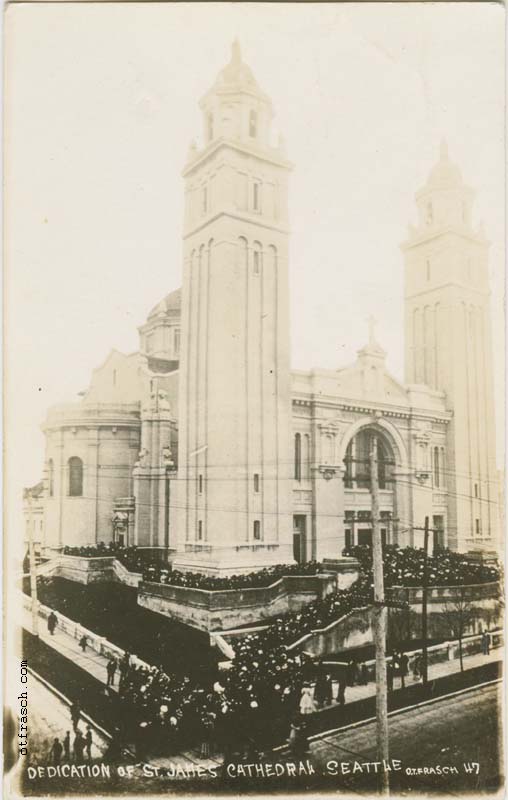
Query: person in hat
(56,752)
(88,742)
(52,623)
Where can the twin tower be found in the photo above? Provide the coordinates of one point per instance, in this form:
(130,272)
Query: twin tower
(231,503)
(231,507)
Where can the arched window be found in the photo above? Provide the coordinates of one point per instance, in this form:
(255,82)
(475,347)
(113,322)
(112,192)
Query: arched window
(253,123)
(75,477)
(357,462)
(51,477)
(349,461)
(272,257)
(256,258)
(298,457)
(243,251)
(382,459)
(437,471)
(306,456)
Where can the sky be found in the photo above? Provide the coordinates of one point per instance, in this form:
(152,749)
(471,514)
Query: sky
(101,104)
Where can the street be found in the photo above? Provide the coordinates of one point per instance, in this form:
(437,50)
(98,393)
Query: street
(449,732)
(50,718)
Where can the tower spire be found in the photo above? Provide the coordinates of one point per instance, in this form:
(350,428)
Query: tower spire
(236,53)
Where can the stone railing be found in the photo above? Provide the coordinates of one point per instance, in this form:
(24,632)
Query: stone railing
(446,594)
(229,608)
(99,644)
(204,608)
(437,653)
(355,629)
(351,630)
(124,576)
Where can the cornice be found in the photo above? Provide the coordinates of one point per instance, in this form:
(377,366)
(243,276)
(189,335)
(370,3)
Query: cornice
(239,147)
(370,409)
(245,218)
(428,236)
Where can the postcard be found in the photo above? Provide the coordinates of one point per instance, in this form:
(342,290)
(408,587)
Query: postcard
(254,399)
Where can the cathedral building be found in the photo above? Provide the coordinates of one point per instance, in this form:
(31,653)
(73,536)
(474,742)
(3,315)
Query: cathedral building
(206,446)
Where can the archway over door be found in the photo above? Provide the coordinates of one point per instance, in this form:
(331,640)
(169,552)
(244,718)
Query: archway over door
(357,485)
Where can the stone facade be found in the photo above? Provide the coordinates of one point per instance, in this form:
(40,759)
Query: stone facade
(205,445)
(448,347)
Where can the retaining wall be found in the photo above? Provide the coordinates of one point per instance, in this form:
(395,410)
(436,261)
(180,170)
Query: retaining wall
(99,644)
(355,629)
(219,610)
(205,609)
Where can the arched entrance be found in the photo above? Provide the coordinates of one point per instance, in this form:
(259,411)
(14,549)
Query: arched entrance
(357,487)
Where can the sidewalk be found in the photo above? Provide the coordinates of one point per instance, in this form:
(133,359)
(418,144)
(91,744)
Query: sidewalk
(69,647)
(439,670)
(95,665)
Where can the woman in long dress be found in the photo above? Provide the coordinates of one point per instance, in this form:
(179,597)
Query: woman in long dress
(307,704)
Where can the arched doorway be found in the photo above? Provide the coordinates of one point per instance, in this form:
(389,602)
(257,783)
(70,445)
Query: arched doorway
(357,487)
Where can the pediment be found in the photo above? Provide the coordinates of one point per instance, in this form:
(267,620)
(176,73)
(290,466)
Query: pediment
(370,382)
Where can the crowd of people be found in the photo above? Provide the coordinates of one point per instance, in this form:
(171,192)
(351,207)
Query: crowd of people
(265,692)
(249,580)
(247,707)
(137,560)
(405,566)
(77,750)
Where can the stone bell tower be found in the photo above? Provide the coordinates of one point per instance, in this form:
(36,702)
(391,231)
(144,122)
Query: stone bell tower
(231,505)
(448,347)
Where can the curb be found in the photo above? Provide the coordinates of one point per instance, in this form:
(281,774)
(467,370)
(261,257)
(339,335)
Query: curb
(395,712)
(402,710)
(66,700)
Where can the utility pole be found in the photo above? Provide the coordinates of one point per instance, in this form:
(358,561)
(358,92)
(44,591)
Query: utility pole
(33,568)
(380,616)
(425,671)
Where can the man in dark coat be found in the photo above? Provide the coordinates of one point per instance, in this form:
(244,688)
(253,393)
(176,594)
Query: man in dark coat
(111,669)
(79,746)
(341,691)
(67,747)
(56,752)
(321,687)
(88,742)
(75,714)
(52,621)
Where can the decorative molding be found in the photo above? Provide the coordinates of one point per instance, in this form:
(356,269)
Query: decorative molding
(329,471)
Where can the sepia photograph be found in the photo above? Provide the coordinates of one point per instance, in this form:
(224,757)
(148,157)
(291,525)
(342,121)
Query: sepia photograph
(254,393)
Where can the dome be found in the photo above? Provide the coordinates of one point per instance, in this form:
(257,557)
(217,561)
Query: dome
(170,303)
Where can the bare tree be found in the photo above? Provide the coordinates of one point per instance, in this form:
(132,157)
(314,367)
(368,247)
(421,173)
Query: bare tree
(457,615)
(401,626)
